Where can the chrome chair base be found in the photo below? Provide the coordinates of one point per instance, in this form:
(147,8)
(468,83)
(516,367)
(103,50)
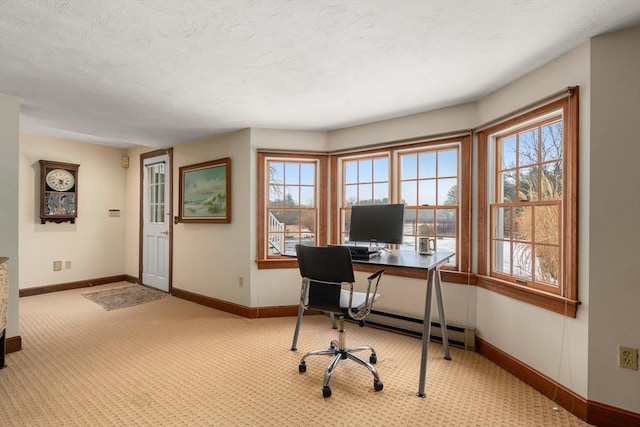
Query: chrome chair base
(339,351)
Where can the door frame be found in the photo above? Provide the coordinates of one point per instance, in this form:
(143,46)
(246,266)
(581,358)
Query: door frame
(143,157)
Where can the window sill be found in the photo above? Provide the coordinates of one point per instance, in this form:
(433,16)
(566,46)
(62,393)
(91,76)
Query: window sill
(535,297)
(284,262)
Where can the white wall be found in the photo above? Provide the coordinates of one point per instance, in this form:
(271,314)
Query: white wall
(94,243)
(209,259)
(132,211)
(9,238)
(446,120)
(614,217)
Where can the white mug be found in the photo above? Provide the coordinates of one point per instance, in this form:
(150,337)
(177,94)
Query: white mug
(426,245)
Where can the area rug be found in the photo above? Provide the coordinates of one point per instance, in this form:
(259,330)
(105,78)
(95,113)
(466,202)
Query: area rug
(125,296)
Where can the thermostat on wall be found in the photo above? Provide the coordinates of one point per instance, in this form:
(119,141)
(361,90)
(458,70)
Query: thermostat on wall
(114,212)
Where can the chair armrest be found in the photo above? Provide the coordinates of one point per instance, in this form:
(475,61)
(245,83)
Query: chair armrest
(376,274)
(370,297)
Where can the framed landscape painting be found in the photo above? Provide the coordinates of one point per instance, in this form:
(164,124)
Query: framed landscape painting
(205,192)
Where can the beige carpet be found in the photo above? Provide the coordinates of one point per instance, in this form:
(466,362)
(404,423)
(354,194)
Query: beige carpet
(175,363)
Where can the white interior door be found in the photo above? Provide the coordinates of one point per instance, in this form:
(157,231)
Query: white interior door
(156,220)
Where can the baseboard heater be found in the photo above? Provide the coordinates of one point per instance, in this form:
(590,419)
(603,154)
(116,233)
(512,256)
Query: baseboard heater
(459,336)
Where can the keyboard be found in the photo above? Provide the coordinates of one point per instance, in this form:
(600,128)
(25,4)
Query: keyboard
(363,252)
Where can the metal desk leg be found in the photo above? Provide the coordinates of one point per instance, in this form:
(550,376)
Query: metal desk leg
(443,322)
(295,334)
(426,333)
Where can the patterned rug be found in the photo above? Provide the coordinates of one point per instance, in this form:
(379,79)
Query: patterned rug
(126,296)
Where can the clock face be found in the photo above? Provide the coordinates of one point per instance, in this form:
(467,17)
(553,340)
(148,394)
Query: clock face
(60,180)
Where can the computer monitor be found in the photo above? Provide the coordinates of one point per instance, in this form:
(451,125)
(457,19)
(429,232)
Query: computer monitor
(377,223)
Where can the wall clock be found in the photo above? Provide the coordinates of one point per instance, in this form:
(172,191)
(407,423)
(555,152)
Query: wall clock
(58,192)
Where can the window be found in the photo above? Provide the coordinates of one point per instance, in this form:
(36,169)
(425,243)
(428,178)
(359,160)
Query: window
(292,198)
(428,186)
(366,181)
(425,177)
(528,205)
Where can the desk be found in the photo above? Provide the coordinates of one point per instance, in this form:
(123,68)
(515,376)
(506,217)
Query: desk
(430,264)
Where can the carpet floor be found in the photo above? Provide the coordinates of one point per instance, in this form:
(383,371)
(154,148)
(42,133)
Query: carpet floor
(171,362)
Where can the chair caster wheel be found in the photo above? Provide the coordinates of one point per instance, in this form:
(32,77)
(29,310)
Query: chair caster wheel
(373,359)
(377,385)
(302,368)
(326,391)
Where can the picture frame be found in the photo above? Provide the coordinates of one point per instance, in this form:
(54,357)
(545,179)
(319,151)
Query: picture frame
(205,192)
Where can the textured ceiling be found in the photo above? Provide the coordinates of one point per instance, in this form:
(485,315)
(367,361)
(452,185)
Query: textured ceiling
(161,73)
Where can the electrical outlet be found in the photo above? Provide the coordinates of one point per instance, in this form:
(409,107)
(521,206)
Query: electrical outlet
(57,265)
(67,265)
(241,281)
(628,357)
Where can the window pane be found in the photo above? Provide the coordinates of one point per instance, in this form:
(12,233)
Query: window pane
(448,163)
(427,192)
(547,265)
(551,185)
(292,223)
(427,165)
(307,223)
(408,193)
(522,261)
(502,218)
(507,187)
(381,170)
(365,172)
(276,173)
(410,222)
(276,193)
(350,172)
(292,173)
(307,197)
(502,252)
(551,142)
(522,223)
(350,195)
(426,223)
(528,147)
(508,153)
(446,244)
(447,191)
(292,197)
(408,166)
(547,224)
(365,196)
(276,224)
(528,190)
(446,221)
(307,174)
(381,193)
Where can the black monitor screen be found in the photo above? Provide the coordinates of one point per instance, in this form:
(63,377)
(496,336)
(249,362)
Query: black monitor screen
(377,223)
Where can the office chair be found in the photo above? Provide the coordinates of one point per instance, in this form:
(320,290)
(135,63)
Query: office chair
(323,271)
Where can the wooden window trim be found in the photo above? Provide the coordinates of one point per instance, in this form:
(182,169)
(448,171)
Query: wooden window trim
(566,303)
(283,261)
(465,175)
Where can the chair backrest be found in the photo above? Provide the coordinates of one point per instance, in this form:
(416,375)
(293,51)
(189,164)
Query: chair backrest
(326,268)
